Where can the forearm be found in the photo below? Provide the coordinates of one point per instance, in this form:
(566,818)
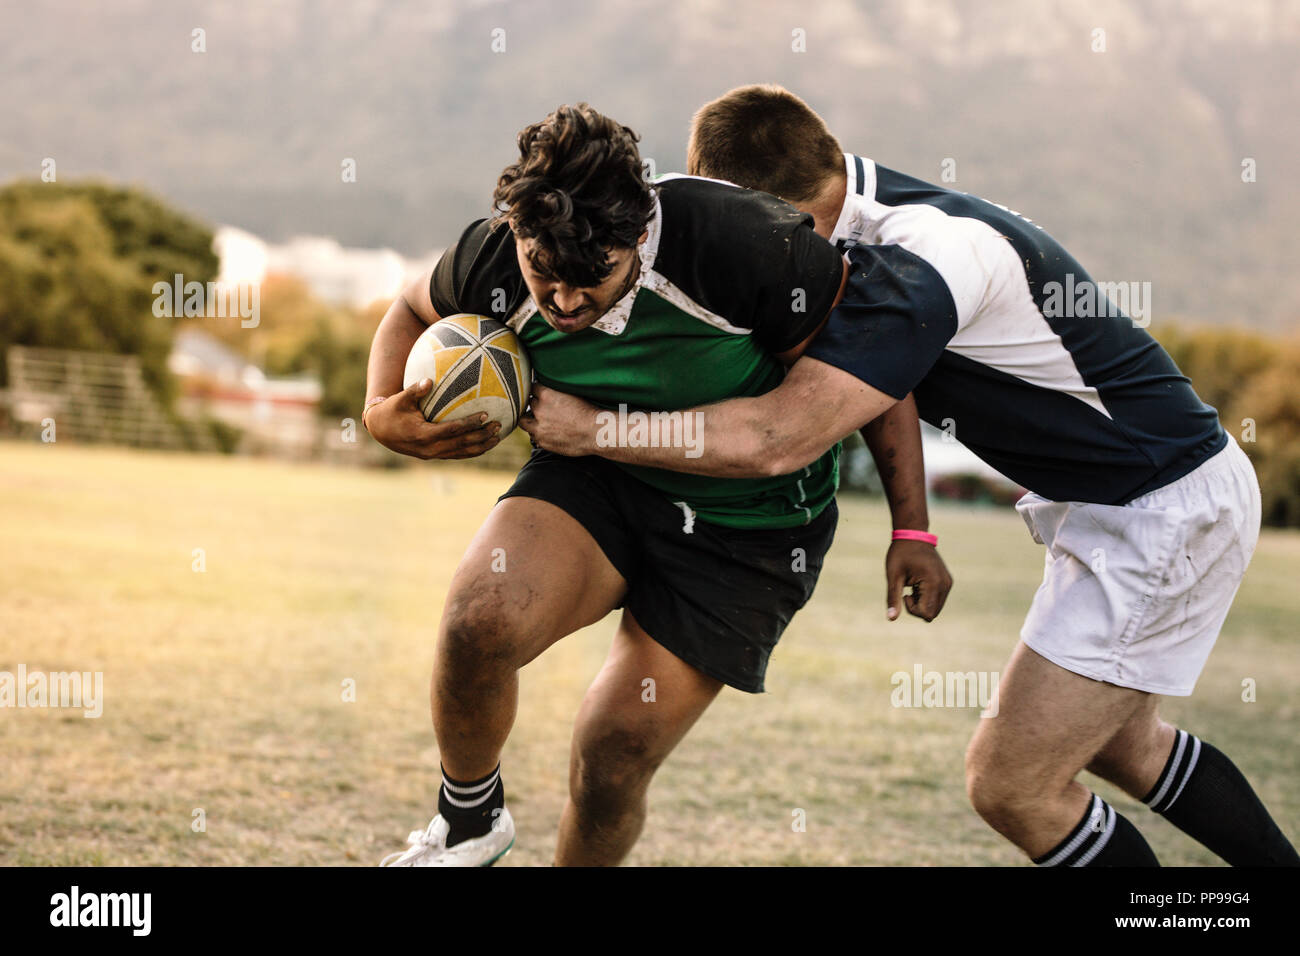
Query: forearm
(777,433)
(725,440)
(894,439)
(390,347)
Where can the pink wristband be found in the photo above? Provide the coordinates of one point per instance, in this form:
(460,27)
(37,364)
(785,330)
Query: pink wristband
(916,536)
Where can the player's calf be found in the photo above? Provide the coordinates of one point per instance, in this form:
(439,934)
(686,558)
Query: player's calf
(1201,792)
(1195,787)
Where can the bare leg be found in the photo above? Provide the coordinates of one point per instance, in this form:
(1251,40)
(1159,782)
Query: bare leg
(620,739)
(1022,764)
(531,575)
(1134,757)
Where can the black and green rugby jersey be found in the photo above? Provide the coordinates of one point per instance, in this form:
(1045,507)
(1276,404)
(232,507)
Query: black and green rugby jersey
(728,277)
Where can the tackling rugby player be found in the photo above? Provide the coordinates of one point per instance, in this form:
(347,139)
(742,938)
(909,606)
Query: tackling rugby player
(1148,511)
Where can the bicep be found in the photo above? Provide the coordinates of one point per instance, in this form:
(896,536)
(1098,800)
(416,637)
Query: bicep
(419,299)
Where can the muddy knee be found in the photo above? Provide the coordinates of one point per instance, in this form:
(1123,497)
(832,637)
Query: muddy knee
(480,637)
(612,769)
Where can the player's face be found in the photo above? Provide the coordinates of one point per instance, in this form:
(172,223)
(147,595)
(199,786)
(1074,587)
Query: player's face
(569,308)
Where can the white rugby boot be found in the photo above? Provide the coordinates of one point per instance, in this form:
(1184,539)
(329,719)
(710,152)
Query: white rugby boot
(428,847)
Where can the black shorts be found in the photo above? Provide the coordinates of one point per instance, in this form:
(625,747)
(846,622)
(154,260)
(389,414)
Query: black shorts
(716,597)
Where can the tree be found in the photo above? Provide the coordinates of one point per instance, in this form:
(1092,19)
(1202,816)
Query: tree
(1270,402)
(77,267)
(1251,380)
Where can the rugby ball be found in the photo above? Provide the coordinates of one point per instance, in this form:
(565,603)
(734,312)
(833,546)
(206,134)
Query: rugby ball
(477,364)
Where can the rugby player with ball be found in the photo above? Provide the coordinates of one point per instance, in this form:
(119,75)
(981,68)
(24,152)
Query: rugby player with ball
(659,296)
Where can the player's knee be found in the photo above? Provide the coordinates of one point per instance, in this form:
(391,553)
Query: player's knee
(612,769)
(479,635)
(1002,807)
(997,795)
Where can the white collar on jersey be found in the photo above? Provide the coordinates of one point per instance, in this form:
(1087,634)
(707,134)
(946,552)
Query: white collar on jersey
(855,214)
(614,321)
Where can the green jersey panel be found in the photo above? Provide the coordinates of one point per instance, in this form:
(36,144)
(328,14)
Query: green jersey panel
(666,359)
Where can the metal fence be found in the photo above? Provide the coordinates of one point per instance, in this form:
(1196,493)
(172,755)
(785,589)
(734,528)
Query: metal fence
(90,397)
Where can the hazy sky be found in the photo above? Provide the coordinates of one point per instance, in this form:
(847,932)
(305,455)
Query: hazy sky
(1124,127)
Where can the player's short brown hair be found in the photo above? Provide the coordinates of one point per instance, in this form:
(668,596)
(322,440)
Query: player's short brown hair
(764,137)
(578,190)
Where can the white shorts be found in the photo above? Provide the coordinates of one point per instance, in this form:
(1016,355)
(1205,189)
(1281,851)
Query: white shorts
(1135,594)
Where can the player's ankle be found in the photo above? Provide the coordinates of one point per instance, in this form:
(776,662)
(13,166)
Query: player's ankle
(470,807)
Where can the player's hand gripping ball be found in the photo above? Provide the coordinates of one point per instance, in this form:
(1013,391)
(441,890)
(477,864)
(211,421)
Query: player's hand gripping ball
(477,365)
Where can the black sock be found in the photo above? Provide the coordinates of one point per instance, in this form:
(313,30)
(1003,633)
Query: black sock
(469,808)
(1202,792)
(1101,838)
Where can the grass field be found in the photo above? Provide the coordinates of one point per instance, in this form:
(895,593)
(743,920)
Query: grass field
(223,689)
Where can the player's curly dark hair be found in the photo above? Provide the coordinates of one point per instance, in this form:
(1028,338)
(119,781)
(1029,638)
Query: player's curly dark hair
(578,190)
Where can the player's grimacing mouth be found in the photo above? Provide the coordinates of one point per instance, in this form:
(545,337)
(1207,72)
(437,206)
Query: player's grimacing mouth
(564,321)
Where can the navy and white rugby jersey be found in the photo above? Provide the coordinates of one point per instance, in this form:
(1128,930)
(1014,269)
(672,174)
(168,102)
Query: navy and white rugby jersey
(1007,344)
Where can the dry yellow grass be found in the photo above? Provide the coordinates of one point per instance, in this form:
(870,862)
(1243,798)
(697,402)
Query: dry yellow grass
(224,689)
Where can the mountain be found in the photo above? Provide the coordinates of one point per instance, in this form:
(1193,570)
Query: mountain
(1131,156)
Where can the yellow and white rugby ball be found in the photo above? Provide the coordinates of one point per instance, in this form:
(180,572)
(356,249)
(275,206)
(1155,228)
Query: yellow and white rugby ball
(477,365)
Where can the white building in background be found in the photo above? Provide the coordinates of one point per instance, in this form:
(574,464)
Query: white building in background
(946,456)
(273,414)
(946,460)
(241,256)
(337,274)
